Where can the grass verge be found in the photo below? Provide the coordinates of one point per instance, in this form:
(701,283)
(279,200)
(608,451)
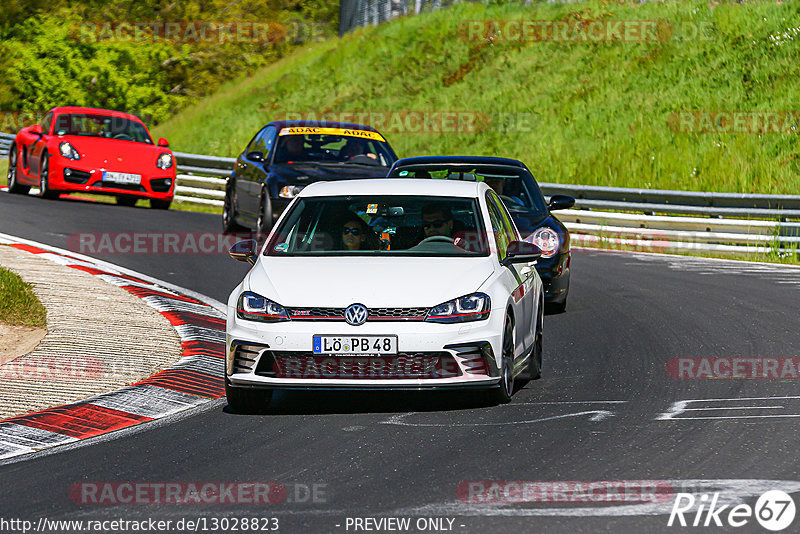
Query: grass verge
(19,306)
(594,113)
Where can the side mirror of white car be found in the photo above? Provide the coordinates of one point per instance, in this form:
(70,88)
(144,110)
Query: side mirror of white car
(245,251)
(521,252)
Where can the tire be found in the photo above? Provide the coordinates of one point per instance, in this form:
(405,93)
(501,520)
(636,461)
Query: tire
(503,393)
(247,400)
(554,308)
(157,204)
(44,179)
(124,200)
(535,363)
(13,169)
(229,224)
(265,221)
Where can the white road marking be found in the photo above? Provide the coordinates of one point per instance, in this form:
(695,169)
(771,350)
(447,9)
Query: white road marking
(678,408)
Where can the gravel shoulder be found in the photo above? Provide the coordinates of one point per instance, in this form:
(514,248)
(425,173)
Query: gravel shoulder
(99,338)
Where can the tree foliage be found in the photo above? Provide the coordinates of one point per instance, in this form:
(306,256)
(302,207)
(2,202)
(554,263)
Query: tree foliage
(48,58)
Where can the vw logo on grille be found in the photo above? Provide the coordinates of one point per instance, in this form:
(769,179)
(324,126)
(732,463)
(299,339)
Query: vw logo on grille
(356,314)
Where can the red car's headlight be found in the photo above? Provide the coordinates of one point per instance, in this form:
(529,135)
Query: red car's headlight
(68,151)
(164,161)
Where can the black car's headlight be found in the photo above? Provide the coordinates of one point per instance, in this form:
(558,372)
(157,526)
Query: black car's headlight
(290,191)
(68,151)
(547,240)
(474,307)
(164,161)
(254,307)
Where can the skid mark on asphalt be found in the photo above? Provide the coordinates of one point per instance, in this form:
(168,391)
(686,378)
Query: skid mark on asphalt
(522,417)
(783,274)
(731,492)
(194,380)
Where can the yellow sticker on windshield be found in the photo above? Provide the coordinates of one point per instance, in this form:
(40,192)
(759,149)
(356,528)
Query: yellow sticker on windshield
(313,130)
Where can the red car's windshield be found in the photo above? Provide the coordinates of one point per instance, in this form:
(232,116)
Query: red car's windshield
(101,126)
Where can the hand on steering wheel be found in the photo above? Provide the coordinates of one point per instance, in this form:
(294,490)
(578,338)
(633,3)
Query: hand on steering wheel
(437,239)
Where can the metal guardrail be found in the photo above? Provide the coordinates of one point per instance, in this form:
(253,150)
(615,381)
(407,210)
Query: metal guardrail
(5,144)
(645,219)
(207,175)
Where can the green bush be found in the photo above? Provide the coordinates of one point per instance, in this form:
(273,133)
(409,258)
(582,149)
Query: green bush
(47,61)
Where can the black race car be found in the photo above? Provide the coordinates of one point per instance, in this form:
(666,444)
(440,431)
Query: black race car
(285,156)
(520,193)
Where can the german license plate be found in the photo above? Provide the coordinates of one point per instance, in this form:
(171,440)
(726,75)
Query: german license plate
(122,177)
(355,345)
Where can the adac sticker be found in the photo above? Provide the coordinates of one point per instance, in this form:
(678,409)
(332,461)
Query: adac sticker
(281,247)
(313,130)
(372,209)
(403,173)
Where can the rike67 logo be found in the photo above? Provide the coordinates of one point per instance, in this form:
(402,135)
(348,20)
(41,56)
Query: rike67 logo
(774,510)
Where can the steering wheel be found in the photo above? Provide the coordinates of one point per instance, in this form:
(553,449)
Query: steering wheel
(123,137)
(437,239)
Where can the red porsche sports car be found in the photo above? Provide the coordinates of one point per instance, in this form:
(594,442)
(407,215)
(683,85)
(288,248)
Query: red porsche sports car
(91,150)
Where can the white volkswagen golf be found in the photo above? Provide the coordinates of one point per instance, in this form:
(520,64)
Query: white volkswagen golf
(386,284)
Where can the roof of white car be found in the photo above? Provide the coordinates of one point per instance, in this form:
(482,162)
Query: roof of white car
(394,186)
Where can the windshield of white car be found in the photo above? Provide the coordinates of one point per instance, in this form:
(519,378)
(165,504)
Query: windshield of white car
(106,126)
(516,187)
(381,225)
(334,149)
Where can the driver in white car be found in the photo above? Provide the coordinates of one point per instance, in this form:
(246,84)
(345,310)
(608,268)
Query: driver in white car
(437,219)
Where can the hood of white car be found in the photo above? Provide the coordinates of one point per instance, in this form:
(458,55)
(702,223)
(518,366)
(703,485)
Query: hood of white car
(337,282)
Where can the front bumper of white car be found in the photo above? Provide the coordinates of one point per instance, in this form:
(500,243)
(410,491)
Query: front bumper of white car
(429,355)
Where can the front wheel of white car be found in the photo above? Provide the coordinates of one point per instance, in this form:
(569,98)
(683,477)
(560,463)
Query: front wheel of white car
(535,365)
(502,394)
(247,400)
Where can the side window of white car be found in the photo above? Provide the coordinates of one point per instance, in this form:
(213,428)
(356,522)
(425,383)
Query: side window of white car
(508,224)
(497,227)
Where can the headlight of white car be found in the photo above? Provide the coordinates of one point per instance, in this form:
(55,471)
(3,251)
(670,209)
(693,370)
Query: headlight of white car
(68,151)
(547,240)
(254,307)
(472,307)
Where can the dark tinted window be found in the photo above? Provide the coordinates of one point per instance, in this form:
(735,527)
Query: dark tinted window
(383,224)
(516,187)
(101,126)
(333,148)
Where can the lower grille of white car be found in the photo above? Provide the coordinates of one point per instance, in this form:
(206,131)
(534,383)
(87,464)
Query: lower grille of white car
(404,365)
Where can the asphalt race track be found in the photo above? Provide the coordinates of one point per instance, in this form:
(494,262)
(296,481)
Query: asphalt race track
(604,411)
